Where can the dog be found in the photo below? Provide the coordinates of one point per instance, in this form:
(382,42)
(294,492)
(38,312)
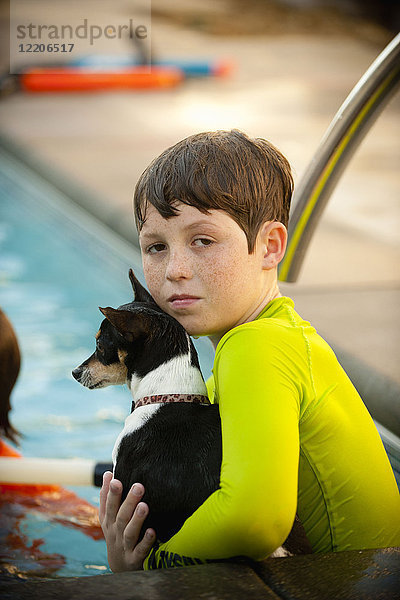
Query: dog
(171,441)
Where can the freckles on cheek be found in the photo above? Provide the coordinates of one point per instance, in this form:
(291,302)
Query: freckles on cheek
(154,289)
(219,277)
(153,281)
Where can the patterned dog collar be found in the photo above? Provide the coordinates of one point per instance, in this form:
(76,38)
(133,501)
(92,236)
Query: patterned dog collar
(167,398)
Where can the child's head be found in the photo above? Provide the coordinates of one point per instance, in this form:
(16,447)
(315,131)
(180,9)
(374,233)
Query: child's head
(214,264)
(247,178)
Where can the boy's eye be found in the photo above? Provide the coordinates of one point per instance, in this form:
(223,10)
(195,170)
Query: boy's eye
(202,242)
(155,248)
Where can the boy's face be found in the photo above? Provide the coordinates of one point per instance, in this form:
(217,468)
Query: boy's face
(198,269)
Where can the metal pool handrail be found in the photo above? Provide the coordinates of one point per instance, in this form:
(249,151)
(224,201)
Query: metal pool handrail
(343,136)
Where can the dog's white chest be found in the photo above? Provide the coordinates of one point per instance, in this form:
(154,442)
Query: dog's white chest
(176,376)
(133,422)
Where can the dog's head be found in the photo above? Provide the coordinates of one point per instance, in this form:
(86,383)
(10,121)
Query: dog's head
(133,339)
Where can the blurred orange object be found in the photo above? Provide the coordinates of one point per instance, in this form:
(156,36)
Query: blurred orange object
(223,68)
(71,79)
(20,554)
(56,502)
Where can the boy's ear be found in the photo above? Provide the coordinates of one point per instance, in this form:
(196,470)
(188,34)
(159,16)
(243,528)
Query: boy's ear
(139,292)
(131,325)
(273,242)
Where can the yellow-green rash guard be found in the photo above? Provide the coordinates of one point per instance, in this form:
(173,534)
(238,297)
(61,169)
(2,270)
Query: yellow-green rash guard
(296,436)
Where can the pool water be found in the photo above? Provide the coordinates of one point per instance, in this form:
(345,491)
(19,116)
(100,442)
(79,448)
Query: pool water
(57,265)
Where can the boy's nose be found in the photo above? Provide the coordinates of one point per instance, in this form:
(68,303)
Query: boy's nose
(178,267)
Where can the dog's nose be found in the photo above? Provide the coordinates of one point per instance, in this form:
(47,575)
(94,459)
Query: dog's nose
(77,373)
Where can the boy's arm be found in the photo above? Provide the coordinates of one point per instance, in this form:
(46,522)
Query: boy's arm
(210,388)
(253,511)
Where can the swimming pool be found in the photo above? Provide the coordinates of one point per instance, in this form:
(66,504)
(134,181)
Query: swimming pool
(57,265)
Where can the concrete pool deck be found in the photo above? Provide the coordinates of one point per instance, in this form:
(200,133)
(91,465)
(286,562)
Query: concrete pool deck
(364,575)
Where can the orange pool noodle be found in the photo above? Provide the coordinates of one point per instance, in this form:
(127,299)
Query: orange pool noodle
(70,79)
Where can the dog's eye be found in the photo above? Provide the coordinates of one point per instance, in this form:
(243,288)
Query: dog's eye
(99,348)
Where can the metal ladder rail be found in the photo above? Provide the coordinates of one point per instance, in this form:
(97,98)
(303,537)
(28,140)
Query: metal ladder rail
(343,136)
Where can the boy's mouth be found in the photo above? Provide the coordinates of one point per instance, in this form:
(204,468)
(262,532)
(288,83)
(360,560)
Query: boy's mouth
(182,300)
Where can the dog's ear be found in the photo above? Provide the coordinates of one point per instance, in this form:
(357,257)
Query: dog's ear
(139,292)
(129,324)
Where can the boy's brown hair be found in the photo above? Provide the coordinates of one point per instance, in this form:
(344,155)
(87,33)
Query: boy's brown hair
(224,170)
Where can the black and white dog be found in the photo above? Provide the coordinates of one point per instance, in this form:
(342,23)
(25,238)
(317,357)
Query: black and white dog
(171,441)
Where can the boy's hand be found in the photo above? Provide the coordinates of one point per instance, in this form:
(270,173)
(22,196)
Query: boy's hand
(121,525)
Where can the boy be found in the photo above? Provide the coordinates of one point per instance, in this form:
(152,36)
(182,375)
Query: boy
(212,213)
